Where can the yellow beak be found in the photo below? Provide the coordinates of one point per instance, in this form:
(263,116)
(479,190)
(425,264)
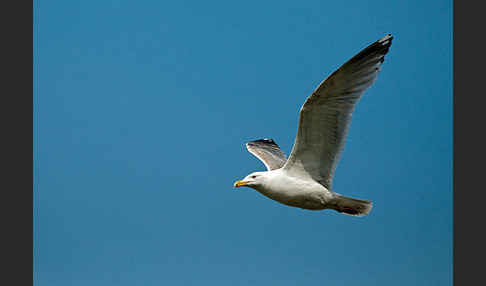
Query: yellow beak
(239,184)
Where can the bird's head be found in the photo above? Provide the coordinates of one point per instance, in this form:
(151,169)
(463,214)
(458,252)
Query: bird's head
(253,180)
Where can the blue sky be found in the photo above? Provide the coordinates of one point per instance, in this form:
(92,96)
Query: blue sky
(142,109)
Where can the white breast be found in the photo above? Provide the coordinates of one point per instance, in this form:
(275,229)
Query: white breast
(298,192)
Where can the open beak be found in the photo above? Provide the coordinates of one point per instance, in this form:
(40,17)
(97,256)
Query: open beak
(240,183)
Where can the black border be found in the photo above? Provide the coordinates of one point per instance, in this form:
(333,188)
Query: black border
(17,139)
(469,143)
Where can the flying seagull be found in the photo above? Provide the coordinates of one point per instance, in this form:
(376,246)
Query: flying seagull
(304,179)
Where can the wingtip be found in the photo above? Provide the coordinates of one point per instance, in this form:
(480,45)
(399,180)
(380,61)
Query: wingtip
(386,40)
(264,140)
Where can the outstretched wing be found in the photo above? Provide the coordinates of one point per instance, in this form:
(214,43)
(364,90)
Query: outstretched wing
(326,114)
(268,152)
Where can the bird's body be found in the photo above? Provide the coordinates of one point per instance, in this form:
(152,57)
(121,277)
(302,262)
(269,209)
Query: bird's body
(304,179)
(294,191)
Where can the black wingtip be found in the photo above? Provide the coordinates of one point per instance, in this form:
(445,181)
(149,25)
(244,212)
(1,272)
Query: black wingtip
(264,141)
(386,38)
(381,47)
(386,41)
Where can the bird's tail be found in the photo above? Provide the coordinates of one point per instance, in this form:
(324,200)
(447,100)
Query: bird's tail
(351,206)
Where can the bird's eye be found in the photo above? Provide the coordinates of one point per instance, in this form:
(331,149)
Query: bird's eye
(253,177)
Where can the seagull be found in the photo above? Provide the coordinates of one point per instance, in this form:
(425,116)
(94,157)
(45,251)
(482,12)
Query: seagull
(304,179)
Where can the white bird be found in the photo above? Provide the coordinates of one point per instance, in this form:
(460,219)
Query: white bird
(304,180)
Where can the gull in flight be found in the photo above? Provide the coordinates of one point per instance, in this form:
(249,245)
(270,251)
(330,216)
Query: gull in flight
(304,179)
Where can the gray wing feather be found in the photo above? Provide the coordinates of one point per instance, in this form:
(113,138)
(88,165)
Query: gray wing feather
(268,152)
(326,114)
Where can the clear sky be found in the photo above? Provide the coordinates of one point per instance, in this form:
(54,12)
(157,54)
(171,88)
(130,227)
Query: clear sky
(142,111)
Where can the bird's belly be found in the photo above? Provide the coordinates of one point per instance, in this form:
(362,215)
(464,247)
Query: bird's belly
(311,196)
